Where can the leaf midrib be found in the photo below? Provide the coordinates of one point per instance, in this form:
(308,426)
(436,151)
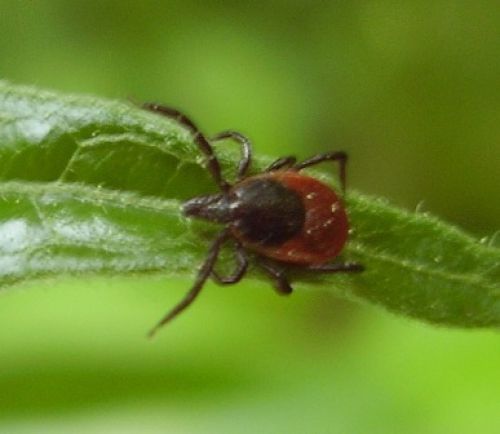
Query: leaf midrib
(120,199)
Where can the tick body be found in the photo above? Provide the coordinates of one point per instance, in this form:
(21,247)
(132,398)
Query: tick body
(282,216)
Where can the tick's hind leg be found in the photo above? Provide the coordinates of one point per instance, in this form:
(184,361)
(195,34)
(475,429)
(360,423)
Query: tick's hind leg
(282,163)
(339,156)
(277,273)
(338,267)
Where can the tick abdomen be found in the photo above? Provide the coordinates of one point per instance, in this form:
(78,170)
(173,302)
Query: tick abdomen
(289,217)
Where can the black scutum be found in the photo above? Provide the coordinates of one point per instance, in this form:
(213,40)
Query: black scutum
(267,212)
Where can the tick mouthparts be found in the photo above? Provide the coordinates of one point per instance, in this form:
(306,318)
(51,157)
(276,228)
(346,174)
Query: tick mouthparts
(214,208)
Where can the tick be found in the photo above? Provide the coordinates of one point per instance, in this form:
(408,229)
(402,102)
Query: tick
(282,217)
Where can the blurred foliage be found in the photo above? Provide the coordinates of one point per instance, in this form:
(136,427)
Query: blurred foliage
(407,88)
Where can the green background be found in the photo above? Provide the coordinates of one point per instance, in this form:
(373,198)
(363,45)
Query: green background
(409,89)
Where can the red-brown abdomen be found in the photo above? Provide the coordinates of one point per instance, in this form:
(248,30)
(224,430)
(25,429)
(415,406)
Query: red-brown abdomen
(325,228)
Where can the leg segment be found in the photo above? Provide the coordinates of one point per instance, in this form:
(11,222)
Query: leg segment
(340,156)
(199,138)
(246,150)
(240,271)
(340,267)
(281,283)
(282,163)
(203,274)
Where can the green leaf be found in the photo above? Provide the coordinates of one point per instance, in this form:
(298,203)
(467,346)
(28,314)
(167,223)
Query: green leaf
(94,186)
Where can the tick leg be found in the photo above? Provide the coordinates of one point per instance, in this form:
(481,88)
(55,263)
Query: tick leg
(339,156)
(246,149)
(203,274)
(284,162)
(281,283)
(339,267)
(198,137)
(238,273)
